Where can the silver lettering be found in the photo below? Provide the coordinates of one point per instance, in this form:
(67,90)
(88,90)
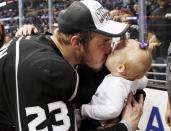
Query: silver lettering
(3,52)
(102,14)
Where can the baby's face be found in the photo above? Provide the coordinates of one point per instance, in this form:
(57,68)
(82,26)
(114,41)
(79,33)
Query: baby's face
(127,53)
(111,62)
(114,58)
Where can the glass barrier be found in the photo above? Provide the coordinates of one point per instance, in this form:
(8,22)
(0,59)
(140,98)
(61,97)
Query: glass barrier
(143,16)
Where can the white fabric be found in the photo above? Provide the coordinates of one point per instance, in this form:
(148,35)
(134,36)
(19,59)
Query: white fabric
(102,20)
(110,97)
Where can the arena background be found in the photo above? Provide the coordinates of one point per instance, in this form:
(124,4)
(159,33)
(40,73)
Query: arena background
(44,15)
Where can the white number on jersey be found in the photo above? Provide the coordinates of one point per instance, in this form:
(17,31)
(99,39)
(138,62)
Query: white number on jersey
(3,51)
(41,116)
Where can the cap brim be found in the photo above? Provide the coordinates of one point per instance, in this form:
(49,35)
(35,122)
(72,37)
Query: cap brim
(113,28)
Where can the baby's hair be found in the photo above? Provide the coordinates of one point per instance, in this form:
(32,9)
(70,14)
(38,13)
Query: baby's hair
(137,61)
(143,56)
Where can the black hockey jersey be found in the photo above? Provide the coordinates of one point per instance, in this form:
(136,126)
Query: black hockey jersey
(37,86)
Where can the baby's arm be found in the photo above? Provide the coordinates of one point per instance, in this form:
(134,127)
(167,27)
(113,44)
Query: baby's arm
(110,106)
(139,84)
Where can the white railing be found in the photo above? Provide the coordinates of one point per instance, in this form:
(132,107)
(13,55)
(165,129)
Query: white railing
(157,79)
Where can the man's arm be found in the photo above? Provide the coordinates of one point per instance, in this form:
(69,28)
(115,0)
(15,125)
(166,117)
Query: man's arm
(117,127)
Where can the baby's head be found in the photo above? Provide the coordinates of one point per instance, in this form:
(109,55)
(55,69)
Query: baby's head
(128,60)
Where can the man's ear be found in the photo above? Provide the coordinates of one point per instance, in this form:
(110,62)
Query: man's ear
(121,68)
(75,41)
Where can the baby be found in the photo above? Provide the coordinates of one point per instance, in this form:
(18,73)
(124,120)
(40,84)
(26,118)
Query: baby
(128,64)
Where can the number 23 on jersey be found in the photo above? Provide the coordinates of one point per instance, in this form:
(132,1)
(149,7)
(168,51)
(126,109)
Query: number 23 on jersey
(41,116)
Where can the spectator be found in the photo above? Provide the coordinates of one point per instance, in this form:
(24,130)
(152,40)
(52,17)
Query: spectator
(161,27)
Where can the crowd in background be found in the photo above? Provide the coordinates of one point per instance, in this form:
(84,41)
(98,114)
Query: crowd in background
(36,12)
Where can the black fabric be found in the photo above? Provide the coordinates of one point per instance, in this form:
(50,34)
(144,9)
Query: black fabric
(77,18)
(89,124)
(6,128)
(118,127)
(42,83)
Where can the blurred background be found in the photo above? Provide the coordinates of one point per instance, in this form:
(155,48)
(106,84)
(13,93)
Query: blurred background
(143,15)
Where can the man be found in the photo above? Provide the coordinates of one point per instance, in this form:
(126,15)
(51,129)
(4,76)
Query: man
(39,80)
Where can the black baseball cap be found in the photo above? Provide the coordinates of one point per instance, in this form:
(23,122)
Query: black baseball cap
(89,15)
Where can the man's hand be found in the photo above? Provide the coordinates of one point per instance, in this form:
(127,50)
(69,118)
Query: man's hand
(26,30)
(133,111)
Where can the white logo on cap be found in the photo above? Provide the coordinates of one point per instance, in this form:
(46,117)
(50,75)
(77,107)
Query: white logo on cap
(102,14)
